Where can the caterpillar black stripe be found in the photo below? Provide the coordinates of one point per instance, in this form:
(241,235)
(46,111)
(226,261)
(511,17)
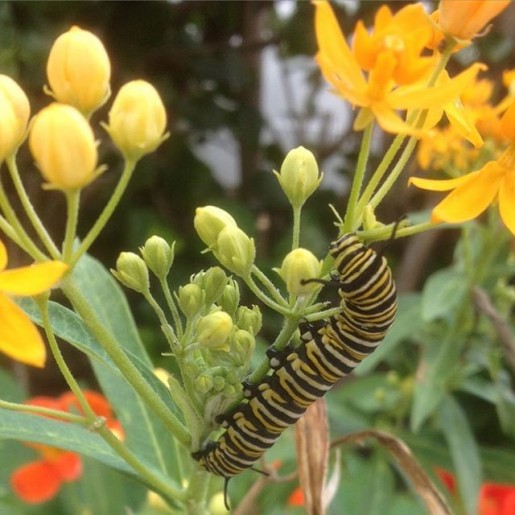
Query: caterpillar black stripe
(331,349)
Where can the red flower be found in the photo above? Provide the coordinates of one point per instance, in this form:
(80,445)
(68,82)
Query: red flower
(296,497)
(447,479)
(40,480)
(497,499)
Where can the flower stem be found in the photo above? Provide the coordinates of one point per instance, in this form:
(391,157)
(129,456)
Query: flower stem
(122,361)
(29,208)
(72,214)
(107,212)
(296,227)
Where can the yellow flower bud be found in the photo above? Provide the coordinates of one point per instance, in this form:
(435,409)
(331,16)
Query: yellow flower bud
(190,299)
(203,383)
(78,70)
(214,329)
(132,272)
(63,146)
(299,176)
(212,282)
(14,116)
(217,505)
(158,256)
(298,265)
(137,119)
(230,298)
(209,221)
(235,250)
(249,319)
(242,347)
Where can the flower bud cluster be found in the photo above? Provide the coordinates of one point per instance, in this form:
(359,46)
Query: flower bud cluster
(230,245)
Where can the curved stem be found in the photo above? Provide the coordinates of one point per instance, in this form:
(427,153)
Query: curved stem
(120,358)
(72,215)
(29,208)
(283,308)
(296,227)
(173,308)
(44,412)
(351,221)
(269,285)
(107,212)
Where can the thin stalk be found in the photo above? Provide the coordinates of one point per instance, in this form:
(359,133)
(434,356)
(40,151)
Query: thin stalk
(72,216)
(173,308)
(269,285)
(107,211)
(351,220)
(296,227)
(120,358)
(196,493)
(29,208)
(44,412)
(283,308)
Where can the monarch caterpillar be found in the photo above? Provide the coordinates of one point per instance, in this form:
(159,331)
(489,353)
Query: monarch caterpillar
(331,349)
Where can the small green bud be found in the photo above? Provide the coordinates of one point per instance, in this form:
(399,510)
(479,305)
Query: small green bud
(158,256)
(298,265)
(209,222)
(230,298)
(299,176)
(243,346)
(235,250)
(218,383)
(190,299)
(132,272)
(203,383)
(213,282)
(214,330)
(249,319)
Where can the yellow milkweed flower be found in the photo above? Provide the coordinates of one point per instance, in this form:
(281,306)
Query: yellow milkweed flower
(137,119)
(464,19)
(63,146)
(378,93)
(19,338)
(78,70)
(299,265)
(473,193)
(14,116)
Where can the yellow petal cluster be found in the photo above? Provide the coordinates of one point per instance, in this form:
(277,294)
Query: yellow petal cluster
(14,116)
(137,119)
(19,338)
(78,70)
(63,145)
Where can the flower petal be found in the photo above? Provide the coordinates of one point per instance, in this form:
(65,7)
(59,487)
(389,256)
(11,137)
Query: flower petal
(507,201)
(35,482)
(3,256)
(440,185)
(31,280)
(68,466)
(19,338)
(391,122)
(472,197)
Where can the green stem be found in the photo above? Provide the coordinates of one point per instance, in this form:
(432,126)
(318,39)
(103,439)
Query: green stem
(107,212)
(296,227)
(44,412)
(120,358)
(173,308)
(352,221)
(23,238)
(283,308)
(269,285)
(29,208)
(72,215)
(169,333)
(8,230)
(197,492)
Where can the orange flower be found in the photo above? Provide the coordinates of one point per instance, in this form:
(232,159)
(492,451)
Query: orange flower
(474,192)
(464,19)
(378,93)
(296,498)
(497,499)
(40,480)
(19,338)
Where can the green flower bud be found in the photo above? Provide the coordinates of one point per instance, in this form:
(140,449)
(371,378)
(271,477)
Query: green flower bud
(230,298)
(190,299)
(158,256)
(235,250)
(213,282)
(243,346)
(218,383)
(298,265)
(299,176)
(203,383)
(132,272)
(249,319)
(209,222)
(214,330)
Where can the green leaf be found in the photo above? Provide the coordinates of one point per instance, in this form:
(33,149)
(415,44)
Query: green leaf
(32,428)
(464,452)
(443,292)
(407,323)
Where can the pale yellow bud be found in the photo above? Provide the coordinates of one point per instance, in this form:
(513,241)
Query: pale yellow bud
(132,272)
(214,330)
(78,70)
(299,176)
(235,250)
(137,119)
(299,265)
(209,221)
(63,145)
(14,116)
(158,256)
(191,299)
